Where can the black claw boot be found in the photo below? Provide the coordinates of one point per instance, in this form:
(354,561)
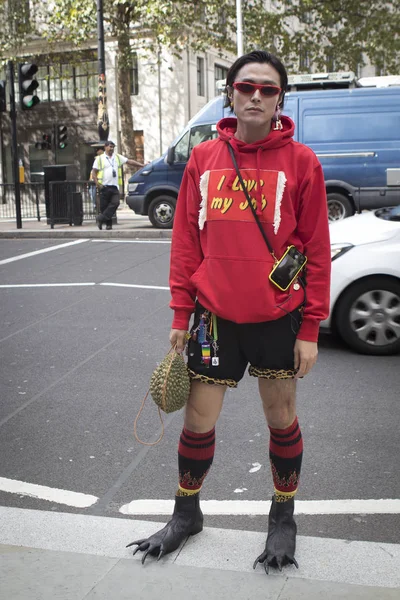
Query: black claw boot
(187,519)
(281,541)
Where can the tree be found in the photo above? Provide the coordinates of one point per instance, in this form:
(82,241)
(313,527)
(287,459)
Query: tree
(322,34)
(17,26)
(342,34)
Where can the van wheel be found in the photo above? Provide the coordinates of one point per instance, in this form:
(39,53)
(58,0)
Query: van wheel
(162,211)
(339,207)
(368,316)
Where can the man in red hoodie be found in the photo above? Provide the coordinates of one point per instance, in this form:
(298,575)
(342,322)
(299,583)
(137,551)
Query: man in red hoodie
(220,268)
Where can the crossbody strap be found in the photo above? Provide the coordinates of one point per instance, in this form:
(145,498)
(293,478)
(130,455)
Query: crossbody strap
(244,188)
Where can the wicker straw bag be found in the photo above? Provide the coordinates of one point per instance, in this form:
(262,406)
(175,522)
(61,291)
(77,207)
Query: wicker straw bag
(169,388)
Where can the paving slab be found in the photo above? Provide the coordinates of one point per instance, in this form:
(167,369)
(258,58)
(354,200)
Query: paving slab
(320,559)
(57,575)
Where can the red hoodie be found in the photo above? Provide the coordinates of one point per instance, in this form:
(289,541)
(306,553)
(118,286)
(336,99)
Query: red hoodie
(218,253)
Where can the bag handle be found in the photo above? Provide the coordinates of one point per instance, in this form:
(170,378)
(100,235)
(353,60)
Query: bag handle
(173,348)
(246,193)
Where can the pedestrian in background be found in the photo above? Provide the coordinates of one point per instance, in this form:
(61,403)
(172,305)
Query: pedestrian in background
(222,271)
(93,188)
(107,175)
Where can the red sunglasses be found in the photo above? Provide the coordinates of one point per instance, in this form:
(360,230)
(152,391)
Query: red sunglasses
(245,87)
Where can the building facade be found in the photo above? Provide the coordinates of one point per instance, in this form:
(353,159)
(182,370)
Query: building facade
(166,92)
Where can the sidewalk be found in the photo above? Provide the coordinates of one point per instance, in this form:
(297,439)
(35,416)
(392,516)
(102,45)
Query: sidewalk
(62,556)
(130,226)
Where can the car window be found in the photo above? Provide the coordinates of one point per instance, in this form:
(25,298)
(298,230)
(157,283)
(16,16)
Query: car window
(182,149)
(201,133)
(193,137)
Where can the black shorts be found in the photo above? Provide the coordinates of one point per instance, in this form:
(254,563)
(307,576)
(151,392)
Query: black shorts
(267,346)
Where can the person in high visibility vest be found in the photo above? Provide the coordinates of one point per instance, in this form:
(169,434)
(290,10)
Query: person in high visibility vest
(107,175)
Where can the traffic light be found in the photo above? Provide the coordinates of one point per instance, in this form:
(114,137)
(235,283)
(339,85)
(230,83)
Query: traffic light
(62,137)
(27,84)
(3,100)
(45,145)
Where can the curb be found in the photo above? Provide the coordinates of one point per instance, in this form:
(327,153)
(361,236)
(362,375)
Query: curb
(73,233)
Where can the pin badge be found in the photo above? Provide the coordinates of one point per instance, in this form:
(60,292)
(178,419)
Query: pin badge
(296,287)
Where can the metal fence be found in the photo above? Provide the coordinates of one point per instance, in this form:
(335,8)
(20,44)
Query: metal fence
(71,202)
(32,201)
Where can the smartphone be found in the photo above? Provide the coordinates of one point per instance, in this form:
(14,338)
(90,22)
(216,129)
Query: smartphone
(287,268)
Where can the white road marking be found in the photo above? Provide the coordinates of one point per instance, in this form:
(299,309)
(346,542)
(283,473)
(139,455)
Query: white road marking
(261,507)
(43,492)
(131,241)
(36,252)
(34,285)
(132,285)
(91,283)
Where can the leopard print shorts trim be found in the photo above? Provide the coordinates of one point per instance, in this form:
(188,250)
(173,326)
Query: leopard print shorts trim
(211,380)
(272,373)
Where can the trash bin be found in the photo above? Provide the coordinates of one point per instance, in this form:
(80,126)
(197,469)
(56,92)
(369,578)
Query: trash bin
(76,208)
(59,213)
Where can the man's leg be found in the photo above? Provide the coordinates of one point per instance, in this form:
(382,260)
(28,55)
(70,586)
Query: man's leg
(111,209)
(285,454)
(195,456)
(104,200)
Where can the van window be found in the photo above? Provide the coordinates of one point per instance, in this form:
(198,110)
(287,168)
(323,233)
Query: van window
(358,127)
(201,133)
(196,135)
(182,148)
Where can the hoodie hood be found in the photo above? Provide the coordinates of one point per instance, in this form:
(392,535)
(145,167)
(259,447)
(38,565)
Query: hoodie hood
(275,139)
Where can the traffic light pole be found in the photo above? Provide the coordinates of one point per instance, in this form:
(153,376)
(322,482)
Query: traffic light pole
(103,124)
(14,142)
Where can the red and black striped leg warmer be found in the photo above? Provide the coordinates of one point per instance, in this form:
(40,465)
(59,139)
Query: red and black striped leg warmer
(195,456)
(285,454)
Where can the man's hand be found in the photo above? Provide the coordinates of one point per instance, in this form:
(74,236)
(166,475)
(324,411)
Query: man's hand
(178,337)
(134,163)
(305,357)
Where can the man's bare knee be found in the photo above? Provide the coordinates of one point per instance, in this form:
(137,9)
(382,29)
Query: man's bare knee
(204,406)
(279,401)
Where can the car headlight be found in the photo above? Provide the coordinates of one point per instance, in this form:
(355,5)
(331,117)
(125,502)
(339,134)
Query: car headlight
(132,187)
(339,249)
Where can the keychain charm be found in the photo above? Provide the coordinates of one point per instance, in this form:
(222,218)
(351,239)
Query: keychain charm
(205,354)
(202,333)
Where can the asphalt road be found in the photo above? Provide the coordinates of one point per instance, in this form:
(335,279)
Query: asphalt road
(75,365)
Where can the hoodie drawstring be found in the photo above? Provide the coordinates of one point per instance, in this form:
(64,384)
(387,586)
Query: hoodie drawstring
(259,195)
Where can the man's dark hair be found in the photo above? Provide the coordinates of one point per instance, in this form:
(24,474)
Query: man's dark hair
(109,143)
(257,56)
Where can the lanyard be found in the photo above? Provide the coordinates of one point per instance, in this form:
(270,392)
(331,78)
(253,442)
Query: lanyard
(111,163)
(214,327)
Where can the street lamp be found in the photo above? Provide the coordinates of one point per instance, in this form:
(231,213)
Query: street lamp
(239,27)
(103,124)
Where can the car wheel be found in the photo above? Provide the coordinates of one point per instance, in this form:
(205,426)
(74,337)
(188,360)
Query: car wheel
(368,316)
(161,212)
(339,207)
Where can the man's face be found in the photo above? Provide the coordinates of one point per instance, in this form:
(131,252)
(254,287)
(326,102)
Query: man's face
(110,150)
(254,109)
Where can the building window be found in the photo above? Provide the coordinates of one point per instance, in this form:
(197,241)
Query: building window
(304,61)
(200,76)
(134,75)
(86,80)
(220,73)
(18,16)
(66,82)
(330,61)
